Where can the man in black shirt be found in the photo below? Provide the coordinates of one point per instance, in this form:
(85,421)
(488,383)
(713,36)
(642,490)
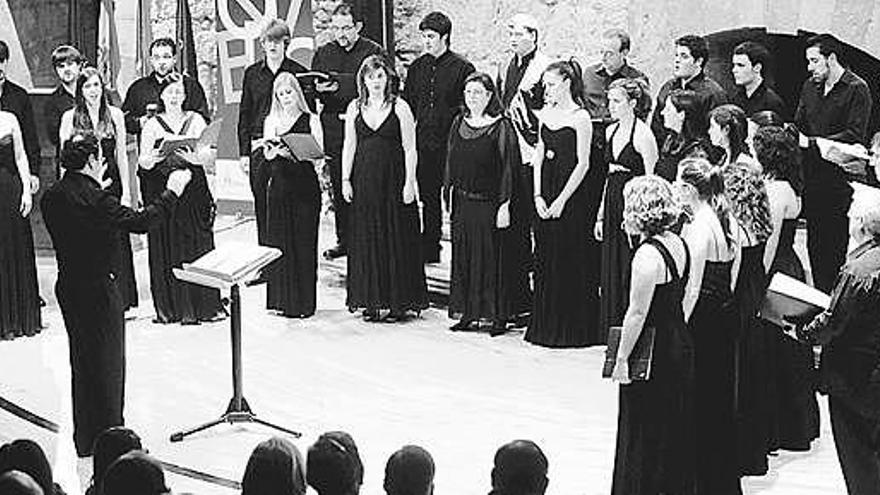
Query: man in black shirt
(750,60)
(67,61)
(83,220)
(142,99)
(691,55)
(256,100)
(615,47)
(342,58)
(14,99)
(835,104)
(435,90)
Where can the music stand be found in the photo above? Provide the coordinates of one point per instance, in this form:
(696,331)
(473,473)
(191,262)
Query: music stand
(224,268)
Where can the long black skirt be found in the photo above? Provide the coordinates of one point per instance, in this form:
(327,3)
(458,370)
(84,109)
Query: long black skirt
(19,296)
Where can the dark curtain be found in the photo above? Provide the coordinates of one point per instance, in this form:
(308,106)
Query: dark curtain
(82,26)
(378,21)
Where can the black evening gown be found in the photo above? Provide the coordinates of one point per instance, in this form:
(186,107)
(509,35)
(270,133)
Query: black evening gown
(385,269)
(714,324)
(617,245)
(756,390)
(19,296)
(182,237)
(488,280)
(656,450)
(293,214)
(564,312)
(121,262)
(797,414)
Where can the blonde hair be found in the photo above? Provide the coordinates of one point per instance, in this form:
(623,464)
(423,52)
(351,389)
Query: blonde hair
(649,206)
(286,79)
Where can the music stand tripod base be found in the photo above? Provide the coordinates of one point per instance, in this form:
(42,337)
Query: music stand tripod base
(238,410)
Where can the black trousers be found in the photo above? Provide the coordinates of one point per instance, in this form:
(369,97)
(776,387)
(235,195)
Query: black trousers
(334,133)
(827,239)
(857,438)
(259,179)
(429,175)
(93,317)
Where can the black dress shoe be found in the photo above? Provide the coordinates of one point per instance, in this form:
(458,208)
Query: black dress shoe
(371,315)
(498,328)
(395,317)
(461,326)
(336,251)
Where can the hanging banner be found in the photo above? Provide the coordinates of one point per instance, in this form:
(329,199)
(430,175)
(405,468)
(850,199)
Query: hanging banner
(238,28)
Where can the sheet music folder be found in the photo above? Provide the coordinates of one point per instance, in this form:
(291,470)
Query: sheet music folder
(640,359)
(789,297)
(303,146)
(228,265)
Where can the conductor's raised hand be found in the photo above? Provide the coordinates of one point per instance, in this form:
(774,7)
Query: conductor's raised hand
(347,191)
(178,180)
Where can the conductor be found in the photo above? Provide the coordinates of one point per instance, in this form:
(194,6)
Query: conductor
(82,218)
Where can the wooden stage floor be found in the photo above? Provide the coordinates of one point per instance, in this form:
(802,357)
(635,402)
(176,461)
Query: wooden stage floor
(458,395)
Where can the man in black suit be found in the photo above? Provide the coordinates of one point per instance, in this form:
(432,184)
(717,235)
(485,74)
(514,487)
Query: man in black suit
(83,220)
(750,63)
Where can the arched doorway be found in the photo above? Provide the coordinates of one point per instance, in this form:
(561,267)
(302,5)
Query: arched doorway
(788,70)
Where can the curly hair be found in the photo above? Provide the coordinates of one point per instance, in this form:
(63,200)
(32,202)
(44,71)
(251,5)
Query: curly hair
(778,153)
(635,89)
(649,206)
(747,194)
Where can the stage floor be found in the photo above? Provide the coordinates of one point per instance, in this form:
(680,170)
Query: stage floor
(460,395)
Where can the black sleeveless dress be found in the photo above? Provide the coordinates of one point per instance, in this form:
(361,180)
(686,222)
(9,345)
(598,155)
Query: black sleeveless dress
(714,325)
(385,269)
(755,365)
(617,246)
(488,279)
(566,294)
(293,213)
(19,296)
(797,411)
(121,262)
(656,448)
(182,237)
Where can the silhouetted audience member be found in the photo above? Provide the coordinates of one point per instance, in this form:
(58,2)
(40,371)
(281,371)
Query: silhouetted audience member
(111,444)
(135,473)
(410,471)
(520,469)
(333,466)
(18,483)
(29,458)
(275,468)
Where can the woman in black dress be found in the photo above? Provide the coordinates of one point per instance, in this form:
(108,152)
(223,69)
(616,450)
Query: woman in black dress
(630,151)
(744,187)
(188,233)
(488,280)
(19,297)
(796,418)
(564,312)
(293,203)
(385,269)
(93,114)
(683,108)
(713,238)
(656,449)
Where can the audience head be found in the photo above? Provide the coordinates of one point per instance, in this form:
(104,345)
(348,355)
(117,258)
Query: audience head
(376,77)
(864,216)
(629,95)
(163,55)
(522,29)
(410,471)
(18,483)
(67,61)
(824,53)
(275,468)
(520,469)
(81,153)
(4,59)
(436,28)
(333,465)
(875,155)
(779,155)
(346,24)
(562,80)
(728,129)
(747,194)
(615,45)
(287,95)
(682,112)
(691,55)
(750,62)
(27,457)
(649,206)
(274,39)
(135,473)
(481,96)
(110,445)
